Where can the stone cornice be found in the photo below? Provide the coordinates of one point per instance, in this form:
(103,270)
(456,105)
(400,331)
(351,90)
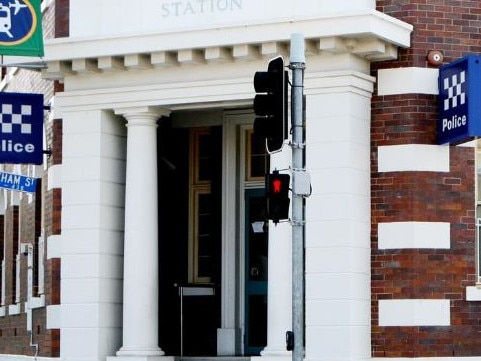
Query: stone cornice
(371,35)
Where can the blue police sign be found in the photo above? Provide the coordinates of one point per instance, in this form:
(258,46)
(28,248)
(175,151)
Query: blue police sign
(459,106)
(21,128)
(17,182)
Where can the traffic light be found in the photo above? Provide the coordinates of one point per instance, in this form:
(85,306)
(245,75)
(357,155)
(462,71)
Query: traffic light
(270,106)
(277,191)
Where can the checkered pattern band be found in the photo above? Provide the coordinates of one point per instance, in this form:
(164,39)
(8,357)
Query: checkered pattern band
(17,122)
(454,86)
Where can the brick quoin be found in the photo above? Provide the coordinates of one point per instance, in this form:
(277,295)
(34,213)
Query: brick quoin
(453,28)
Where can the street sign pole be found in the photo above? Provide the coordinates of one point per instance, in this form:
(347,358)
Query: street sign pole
(297,66)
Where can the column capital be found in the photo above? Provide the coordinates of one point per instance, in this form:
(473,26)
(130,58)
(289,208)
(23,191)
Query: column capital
(143,111)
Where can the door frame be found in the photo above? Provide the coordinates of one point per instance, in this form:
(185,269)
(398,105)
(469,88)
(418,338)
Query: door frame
(230,338)
(230,334)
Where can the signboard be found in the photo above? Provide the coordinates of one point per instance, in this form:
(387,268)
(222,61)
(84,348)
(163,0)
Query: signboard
(459,100)
(17,182)
(21,128)
(21,28)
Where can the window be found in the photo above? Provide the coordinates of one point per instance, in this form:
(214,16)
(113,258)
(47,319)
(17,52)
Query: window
(201,247)
(38,244)
(15,256)
(204,195)
(257,159)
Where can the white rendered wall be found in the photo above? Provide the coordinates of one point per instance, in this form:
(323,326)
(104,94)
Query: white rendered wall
(116,17)
(414,235)
(338,217)
(413,157)
(91,243)
(407,80)
(414,312)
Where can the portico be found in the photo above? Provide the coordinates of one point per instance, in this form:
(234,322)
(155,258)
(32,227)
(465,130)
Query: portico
(116,89)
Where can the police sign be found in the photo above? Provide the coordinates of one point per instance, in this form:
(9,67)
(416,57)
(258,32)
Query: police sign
(21,128)
(459,90)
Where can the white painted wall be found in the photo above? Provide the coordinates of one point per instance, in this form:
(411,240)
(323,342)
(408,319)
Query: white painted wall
(414,312)
(409,235)
(407,80)
(93,174)
(413,157)
(338,216)
(115,17)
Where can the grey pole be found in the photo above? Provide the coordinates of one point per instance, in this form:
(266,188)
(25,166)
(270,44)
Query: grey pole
(297,66)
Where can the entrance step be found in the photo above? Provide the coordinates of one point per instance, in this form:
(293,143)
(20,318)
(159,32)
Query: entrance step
(212,358)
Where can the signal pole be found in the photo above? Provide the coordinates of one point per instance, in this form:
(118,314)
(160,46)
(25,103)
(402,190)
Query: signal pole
(297,65)
(270,123)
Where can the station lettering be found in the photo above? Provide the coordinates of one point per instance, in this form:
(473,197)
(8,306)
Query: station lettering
(199,7)
(454,122)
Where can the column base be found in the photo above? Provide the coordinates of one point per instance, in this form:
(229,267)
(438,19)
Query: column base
(273,355)
(228,341)
(133,357)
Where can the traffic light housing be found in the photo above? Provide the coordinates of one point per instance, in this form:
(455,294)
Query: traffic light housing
(277,191)
(270,106)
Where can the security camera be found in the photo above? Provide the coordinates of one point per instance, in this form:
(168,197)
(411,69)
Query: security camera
(435,57)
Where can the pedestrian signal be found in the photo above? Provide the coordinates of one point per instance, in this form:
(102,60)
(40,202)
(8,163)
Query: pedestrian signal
(277,190)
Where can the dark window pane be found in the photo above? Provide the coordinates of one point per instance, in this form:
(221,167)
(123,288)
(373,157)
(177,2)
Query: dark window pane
(205,169)
(258,158)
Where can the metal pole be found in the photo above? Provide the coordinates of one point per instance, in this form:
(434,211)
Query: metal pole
(297,65)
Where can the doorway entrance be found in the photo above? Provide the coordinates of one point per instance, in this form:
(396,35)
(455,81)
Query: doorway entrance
(189,238)
(256,246)
(212,235)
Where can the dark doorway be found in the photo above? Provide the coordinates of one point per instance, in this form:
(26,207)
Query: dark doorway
(200,313)
(256,244)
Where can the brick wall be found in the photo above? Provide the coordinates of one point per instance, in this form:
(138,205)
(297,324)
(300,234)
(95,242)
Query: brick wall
(448,25)
(453,28)
(14,337)
(62,18)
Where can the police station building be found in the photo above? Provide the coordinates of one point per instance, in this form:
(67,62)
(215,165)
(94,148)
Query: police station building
(159,245)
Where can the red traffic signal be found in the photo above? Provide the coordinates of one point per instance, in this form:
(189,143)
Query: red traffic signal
(277,191)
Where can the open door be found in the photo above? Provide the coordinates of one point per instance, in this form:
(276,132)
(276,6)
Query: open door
(256,246)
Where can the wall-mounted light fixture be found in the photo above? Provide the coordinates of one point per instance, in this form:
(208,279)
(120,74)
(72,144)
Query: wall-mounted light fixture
(435,57)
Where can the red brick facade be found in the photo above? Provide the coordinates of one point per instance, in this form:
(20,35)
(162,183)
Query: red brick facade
(62,18)
(451,27)
(22,221)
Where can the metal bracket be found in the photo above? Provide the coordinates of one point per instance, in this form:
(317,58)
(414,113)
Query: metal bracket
(48,152)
